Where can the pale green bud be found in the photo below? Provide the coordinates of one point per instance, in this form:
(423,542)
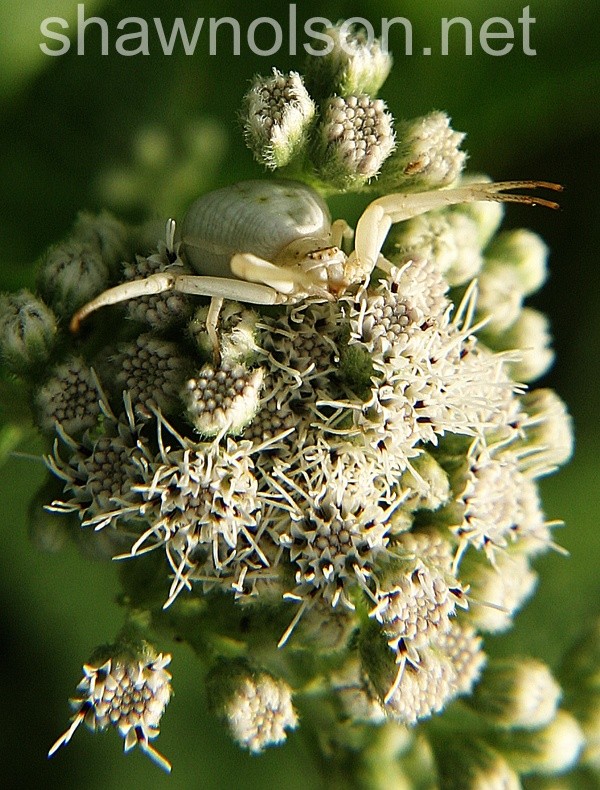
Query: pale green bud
(530,335)
(471,764)
(550,750)
(27,332)
(497,591)
(499,299)
(277,112)
(548,428)
(353,64)
(525,251)
(517,693)
(427,155)
(354,138)
(237,332)
(70,275)
(580,676)
(104,232)
(449,238)
(428,481)
(49,532)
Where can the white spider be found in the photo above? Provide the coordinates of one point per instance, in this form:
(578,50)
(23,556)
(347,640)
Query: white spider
(273,242)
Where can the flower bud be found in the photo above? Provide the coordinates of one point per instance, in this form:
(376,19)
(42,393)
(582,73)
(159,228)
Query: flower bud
(517,693)
(580,676)
(497,591)
(525,252)
(355,137)
(548,429)
(430,485)
(27,332)
(353,64)
(278,113)
(550,750)
(104,232)
(70,397)
(500,298)
(256,707)
(471,764)
(450,239)
(409,690)
(125,687)
(223,399)
(152,371)
(530,335)
(70,275)
(237,332)
(427,155)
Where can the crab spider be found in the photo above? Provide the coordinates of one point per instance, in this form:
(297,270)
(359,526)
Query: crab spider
(273,242)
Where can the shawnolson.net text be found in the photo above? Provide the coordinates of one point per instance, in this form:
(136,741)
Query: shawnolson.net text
(264,36)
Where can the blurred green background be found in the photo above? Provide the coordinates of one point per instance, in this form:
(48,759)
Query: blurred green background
(92,131)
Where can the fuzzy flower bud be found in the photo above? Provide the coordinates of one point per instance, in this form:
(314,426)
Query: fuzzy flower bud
(450,239)
(517,693)
(500,298)
(277,113)
(355,137)
(427,155)
(72,274)
(222,399)
(354,64)
(408,689)
(548,429)
(550,750)
(497,591)
(580,676)
(237,332)
(127,689)
(27,331)
(525,252)
(430,484)
(256,707)
(152,371)
(530,335)
(471,764)
(104,232)
(70,397)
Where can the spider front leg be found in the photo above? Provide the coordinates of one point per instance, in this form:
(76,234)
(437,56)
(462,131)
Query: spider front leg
(191,284)
(377,219)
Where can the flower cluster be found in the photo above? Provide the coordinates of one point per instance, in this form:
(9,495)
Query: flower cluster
(356,475)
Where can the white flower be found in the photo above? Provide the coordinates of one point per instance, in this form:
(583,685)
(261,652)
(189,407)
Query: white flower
(129,694)
(260,711)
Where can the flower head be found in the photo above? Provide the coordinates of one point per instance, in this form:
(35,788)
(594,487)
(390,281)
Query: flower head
(277,115)
(355,137)
(127,692)
(256,706)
